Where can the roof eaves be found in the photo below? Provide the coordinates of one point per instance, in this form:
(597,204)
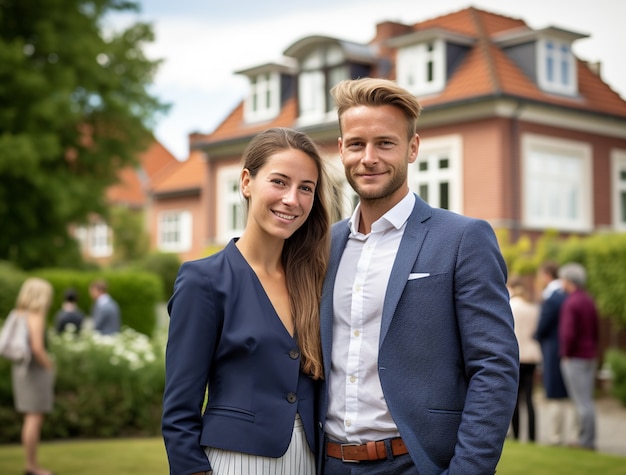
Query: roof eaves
(429,34)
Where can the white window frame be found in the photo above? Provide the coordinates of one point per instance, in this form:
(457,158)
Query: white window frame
(412,67)
(564,79)
(229,200)
(320,70)
(618,185)
(552,169)
(174,230)
(264,84)
(95,239)
(432,151)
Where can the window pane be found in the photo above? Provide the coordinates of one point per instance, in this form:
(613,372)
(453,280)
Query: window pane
(444,196)
(623,206)
(423,192)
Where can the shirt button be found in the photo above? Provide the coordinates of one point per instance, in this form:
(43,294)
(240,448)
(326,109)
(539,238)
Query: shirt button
(352,379)
(291,397)
(294,354)
(357,333)
(348,423)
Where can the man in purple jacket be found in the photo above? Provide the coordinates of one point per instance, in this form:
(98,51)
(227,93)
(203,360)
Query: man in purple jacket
(578,343)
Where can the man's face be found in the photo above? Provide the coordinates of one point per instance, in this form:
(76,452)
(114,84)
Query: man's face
(376,152)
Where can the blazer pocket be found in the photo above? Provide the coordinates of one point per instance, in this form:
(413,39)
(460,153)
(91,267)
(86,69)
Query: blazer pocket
(233,412)
(418,275)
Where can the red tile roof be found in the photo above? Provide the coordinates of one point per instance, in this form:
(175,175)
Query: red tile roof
(183,176)
(485,71)
(134,182)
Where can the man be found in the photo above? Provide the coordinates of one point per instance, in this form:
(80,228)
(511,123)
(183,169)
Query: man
(417,334)
(578,345)
(547,335)
(105,311)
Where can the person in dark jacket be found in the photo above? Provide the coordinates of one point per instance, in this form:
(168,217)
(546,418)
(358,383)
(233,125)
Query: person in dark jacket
(547,334)
(69,314)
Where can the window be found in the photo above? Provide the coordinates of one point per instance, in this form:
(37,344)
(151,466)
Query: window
(174,231)
(556,67)
(230,207)
(319,72)
(436,175)
(96,240)
(618,161)
(420,67)
(264,99)
(557,183)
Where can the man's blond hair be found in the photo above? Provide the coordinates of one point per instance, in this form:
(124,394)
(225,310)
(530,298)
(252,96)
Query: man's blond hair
(375,92)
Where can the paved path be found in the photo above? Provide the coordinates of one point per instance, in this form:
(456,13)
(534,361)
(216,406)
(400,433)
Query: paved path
(610,424)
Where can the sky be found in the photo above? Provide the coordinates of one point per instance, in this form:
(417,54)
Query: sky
(203,42)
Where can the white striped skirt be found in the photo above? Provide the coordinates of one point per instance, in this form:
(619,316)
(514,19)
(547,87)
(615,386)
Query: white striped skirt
(297,460)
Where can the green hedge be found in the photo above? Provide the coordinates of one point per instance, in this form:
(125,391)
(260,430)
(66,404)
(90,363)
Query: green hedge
(616,361)
(106,386)
(137,292)
(603,255)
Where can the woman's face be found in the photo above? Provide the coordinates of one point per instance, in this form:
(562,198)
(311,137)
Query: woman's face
(282,193)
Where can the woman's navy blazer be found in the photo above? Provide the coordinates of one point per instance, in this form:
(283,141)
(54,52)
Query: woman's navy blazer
(224,332)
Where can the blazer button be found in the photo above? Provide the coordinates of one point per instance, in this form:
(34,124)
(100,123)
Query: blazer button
(291,397)
(294,354)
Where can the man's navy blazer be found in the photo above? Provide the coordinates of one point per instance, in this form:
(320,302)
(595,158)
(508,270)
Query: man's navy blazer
(225,331)
(448,356)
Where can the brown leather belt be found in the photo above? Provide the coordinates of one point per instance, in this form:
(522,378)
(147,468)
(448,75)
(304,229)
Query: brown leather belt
(370,451)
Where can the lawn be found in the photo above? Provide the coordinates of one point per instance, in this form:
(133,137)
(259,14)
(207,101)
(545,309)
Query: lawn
(147,456)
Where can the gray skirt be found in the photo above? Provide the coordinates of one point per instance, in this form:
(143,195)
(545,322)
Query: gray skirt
(33,388)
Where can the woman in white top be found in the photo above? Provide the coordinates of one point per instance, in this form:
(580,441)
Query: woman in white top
(525,316)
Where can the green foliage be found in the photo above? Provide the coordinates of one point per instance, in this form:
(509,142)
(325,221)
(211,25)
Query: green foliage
(106,386)
(11,279)
(616,361)
(129,235)
(165,265)
(75,110)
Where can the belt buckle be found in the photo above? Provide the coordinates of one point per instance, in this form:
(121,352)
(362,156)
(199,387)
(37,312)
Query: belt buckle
(343,459)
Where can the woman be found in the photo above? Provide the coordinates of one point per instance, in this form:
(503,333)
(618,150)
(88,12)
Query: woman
(33,381)
(525,316)
(245,323)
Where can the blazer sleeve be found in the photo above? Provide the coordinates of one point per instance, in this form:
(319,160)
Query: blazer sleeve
(490,351)
(192,336)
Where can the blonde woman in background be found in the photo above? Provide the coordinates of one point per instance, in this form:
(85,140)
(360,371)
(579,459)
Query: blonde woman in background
(526,317)
(33,381)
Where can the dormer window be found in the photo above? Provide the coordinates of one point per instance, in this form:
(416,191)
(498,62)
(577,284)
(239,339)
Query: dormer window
(269,84)
(421,67)
(264,99)
(320,70)
(323,62)
(545,56)
(556,66)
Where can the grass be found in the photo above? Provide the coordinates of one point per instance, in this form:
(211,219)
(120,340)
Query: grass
(147,456)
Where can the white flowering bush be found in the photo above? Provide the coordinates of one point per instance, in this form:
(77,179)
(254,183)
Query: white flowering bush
(106,385)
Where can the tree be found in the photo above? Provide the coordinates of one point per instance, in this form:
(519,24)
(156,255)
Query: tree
(74,110)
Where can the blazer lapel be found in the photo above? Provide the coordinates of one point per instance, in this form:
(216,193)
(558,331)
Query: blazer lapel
(410,245)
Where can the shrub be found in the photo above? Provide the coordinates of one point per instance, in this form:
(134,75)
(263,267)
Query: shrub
(106,386)
(165,265)
(616,361)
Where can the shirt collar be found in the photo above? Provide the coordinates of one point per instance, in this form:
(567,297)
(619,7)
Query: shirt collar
(395,217)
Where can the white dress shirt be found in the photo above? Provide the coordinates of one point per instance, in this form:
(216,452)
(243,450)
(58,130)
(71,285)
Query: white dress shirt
(357,411)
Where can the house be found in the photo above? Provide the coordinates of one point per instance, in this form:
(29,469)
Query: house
(131,192)
(515,129)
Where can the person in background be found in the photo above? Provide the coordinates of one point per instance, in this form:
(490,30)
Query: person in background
(421,360)
(526,317)
(578,340)
(33,381)
(105,311)
(547,335)
(245,323)
(69,315)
